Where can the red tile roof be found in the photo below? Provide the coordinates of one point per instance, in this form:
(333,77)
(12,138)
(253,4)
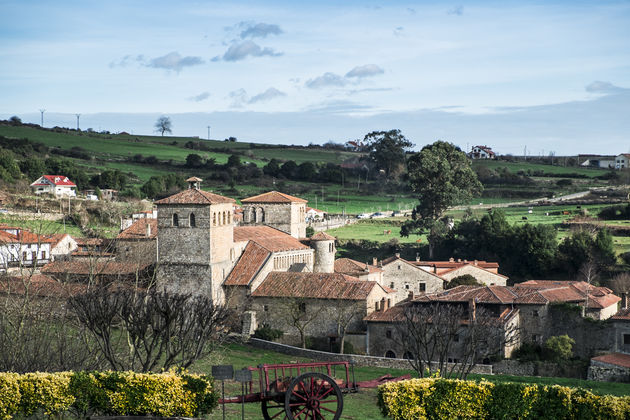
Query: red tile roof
(138,230)
(60,180)
(195,196)
(96,268)
(322,236)
(537,293)
(273,197)
(622,315)
(24,237)
(616,359)
(268,237)
(353,268)
(455,264)
(40,285)
(251,261)
(314,286)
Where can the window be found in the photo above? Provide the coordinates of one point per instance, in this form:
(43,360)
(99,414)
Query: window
(24,256)
(422,287)
(43,255)
(535,338)
(407,286)
(626,339)
(399,267)
(390,354)
(302,307)
(330,247)
(214,219)
(391,285)
(535,313)
(388,333)
(224,219)
(175,219)
(456,338)
(266,308)
(193,222)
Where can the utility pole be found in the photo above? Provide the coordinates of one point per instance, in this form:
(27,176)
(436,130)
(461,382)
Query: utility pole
(42,112)
(78,116)
(208,132)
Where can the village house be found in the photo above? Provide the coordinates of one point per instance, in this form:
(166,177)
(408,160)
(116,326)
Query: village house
(93,249)
(138,242)
(315,215)
(481,152)
(408,279)
(22,248)
(57,185)
(362,271)
(622,161)
(61,245)
(597,161)
(528,305)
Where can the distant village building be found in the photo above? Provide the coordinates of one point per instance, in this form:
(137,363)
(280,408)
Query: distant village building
(313,215)
(622,161)
(481,152)
(597,161)
(138,242)
(22,248)
(281,211)
(58,185)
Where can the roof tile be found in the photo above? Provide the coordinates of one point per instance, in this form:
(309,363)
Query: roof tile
(314,285)
(195,196)
(251,261)
(271,239)
(273,197)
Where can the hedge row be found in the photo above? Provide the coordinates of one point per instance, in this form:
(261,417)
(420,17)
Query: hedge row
(105,393)
(454,399)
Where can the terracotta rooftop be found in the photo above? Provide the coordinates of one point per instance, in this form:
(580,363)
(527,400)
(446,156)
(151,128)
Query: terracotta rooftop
(251,261)
(24,237)
(314,286)
(271,239)
(616,359)
(622,315)
(353,268)
(61,180)
(40,285)
(455,263)
(273,197)
(194,179)
(89,241)
(393,314)
(322,236)
(195,196)
(138,230)
(97,268)
(536,293)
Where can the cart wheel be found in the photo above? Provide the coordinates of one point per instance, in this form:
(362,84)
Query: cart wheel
(313,396)
(273,410)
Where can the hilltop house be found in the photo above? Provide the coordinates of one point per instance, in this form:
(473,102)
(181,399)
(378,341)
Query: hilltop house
(622,161)
(58,185)
(481,152)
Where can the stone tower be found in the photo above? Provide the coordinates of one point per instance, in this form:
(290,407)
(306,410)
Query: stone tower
(324,246)
(281,211)
(195,241)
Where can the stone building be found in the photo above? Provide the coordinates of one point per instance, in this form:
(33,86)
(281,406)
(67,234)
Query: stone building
(318,299)
(362,271)
(195,241)
(138,242)
(278,210)
(537,314)
(325,250)
(408,279)
(483,275)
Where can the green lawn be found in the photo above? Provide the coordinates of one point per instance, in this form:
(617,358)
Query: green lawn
(525,166)
(373,230)
(43,227)
(362,405)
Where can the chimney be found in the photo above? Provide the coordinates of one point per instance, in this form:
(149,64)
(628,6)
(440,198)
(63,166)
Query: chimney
(389,303)
(476,262)
(417,257)
(383,304)
(374,261)
(626,300)
(410,295)
(459,260)
(148,229)
(451,259)
(397,255)
(472,307)
(367,268)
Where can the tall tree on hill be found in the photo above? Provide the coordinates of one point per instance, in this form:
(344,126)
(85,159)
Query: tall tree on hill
(441,176)
(163,125)
(387,149)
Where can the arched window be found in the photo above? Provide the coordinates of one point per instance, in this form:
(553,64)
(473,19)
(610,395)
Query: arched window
(390,354)
(214,219)
(175,219)
(224,219)
(259,215)
(193,222)
(229,217)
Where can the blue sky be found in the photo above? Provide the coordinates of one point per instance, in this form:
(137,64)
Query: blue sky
(552,76)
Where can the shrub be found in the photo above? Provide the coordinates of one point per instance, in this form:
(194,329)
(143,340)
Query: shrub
(267,333)
(444,398)
(560,347)
(46,392)
(9,395)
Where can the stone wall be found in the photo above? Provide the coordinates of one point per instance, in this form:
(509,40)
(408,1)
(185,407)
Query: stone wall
(359,360)
(405,278)
(599,371)
(137,250)
(482,276)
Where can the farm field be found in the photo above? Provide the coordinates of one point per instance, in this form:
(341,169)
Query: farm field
(373,230)
(362,405)
(527,166)
(41,227)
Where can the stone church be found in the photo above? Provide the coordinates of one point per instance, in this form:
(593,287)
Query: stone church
(200,249)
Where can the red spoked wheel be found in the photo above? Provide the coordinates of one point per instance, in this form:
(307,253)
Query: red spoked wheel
(272,409)
(313,396)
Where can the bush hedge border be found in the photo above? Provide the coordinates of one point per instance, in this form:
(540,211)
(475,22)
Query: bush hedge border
(106,393)
(456,399)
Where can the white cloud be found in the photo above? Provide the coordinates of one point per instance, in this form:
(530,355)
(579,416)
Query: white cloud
(259,30)
(201,97)
(325,80)
(367,70)
(603,87)
(240,51)
(174,61)
(266,95)
(238,97)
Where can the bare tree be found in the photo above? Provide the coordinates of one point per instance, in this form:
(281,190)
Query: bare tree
(298,313)
(344,313)
(449,338)
(588,273)
(620,284)
(147,330)
(163,125)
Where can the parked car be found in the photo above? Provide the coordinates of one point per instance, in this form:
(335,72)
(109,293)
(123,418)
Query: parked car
(363,216)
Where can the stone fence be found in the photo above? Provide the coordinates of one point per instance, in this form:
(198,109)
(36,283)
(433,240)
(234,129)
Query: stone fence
(359,360)
(331,223)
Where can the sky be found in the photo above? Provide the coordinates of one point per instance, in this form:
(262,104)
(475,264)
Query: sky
(545,76)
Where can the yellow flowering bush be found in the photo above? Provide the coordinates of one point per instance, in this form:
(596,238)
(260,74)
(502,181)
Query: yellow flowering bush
(454,399)
(9,395)
(110,393)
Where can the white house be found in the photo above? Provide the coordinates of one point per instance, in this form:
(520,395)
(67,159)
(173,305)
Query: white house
(58,185)
(21,247)
(314,214)
(622,161)
(481,152)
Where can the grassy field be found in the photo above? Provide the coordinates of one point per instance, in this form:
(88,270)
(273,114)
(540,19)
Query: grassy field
(43,227)
(362,405)
(373,230)
(515,167)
